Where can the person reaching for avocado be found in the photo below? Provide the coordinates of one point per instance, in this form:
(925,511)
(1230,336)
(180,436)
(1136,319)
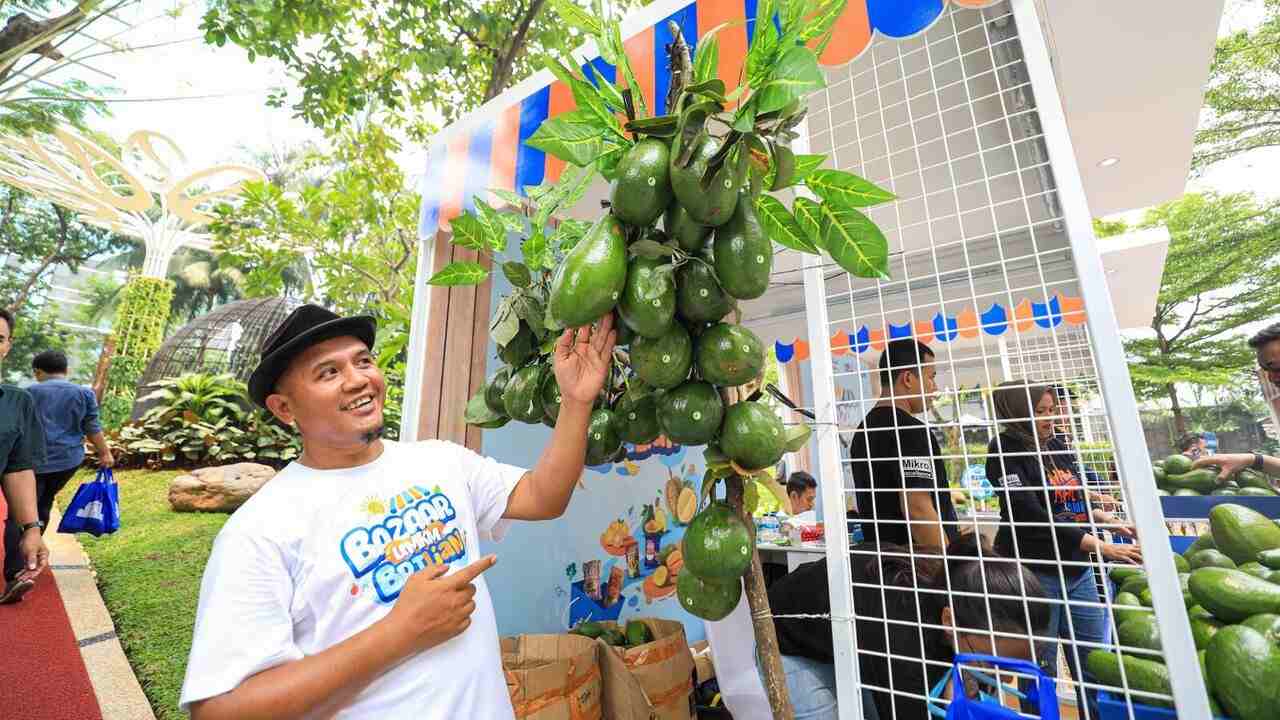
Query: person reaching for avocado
(1233,463)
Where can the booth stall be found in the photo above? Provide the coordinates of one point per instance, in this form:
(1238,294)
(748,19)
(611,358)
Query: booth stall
(990,121)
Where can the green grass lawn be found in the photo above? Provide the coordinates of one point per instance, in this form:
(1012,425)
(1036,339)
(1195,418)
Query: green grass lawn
(149,574)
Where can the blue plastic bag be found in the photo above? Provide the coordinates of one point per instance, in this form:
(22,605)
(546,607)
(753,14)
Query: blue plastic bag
(95,509)
(988,707)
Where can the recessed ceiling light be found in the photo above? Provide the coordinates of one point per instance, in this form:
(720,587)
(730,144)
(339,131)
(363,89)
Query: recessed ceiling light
(1108,162)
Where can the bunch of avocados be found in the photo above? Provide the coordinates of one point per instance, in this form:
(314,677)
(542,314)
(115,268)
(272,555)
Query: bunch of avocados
(1174,476)
(634,635)
(1231,587)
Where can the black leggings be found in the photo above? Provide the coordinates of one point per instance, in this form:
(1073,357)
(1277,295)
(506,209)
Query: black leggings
(48,485)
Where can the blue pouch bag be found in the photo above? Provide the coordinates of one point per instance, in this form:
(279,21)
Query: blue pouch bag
(95,508)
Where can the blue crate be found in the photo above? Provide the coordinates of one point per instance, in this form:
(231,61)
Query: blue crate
(1114,708)
(1180,543)
(1189,507)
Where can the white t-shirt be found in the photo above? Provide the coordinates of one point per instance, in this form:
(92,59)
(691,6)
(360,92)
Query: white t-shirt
(316,556)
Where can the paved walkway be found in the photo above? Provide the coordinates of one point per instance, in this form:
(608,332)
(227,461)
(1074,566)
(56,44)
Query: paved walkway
(62,660)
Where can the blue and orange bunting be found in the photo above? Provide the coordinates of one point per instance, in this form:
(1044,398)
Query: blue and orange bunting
(488,150)
(967,323)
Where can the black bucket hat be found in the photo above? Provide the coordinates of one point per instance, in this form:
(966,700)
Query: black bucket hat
(305,326)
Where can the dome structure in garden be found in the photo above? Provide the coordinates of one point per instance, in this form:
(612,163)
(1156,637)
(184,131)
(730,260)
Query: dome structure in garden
(226,340)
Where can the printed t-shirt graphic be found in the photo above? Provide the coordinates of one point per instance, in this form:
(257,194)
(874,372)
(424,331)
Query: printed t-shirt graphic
(317,556)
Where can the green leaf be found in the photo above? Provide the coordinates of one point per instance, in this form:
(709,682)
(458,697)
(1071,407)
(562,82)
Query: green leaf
(624,64)
(796,75)
(470,232)
(805,165)
(575,16)
(587,97)
(854,242)
(744,120)
(808,215)
(838,187)
(575,137)
(478,411)
(512,199)
(460,273)
(823,20)
(650,249)
(535,251)
(796,437)
(712,89)
(494,224)
(661,126)
(505,324)
(532,312)
(517,274)
(780,225)
(607,164)
(764,45)
(706,60)
(568,233)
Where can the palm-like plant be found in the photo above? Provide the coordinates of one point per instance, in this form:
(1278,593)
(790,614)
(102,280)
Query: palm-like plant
(198,396)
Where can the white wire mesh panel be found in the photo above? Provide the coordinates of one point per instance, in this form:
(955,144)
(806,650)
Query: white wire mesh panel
(1006,382)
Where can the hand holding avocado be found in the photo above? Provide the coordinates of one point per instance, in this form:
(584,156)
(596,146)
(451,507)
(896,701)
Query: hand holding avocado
(582,360)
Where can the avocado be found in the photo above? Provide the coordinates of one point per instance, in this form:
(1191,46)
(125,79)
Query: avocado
(1203,630)
(1144,675)
(1232,595)
(648,302)
(642,189)
(752,435)
(689,235)
(1140,632)
(1121,573)
(638,633)
(589,281)
(711,204)
(1158,472)
(493,390)
(1255,569)
(691,413)
(1135,584)
(1266,623)
(603,438)
(728,355)
(1128,606)
(522,397)
(1241,533)
(1181,564)
(637,414)
(550,393)
(1244,669)
(1188,492)
(664,362)
(1250,491)
(588,629)
(743,254)
(1176,464)
(1270,558)
(699,297)
(1252,478)
(1203,542)
(1210,558)
(1202,481)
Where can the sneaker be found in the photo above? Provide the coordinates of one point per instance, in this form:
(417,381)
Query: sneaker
(14,591)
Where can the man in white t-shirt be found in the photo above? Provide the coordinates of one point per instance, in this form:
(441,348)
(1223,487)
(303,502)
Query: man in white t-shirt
(349,586)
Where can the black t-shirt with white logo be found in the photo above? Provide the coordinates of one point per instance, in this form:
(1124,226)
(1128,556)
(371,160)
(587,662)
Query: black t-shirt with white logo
(890,451)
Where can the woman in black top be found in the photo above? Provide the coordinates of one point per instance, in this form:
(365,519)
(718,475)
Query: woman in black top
(888,587)
(1045,520)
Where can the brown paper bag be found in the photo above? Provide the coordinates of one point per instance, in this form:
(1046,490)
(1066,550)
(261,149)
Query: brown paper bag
(703,666)
(653,681)
(553,677)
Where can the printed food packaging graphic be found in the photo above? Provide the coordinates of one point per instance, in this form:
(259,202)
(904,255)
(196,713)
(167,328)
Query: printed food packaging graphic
(553,677)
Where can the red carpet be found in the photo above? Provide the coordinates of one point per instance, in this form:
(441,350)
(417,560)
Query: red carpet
(42,676)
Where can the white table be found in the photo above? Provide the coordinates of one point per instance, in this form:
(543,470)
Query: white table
(796,555)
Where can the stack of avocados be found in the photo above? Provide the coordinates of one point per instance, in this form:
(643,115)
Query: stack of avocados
(1230,580)
(1174,476)
(634,635)
(670,258)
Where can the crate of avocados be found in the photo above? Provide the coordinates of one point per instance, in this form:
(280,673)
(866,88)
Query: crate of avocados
(1197,507)
(647,667)
(553,677)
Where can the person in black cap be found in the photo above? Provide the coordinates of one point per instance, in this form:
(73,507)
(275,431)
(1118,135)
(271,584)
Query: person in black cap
(349,586)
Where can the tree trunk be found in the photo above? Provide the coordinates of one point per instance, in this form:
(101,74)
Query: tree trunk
(767,654)
(1179,421)
(104,364)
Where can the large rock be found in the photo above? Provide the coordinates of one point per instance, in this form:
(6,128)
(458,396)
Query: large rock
(218,489)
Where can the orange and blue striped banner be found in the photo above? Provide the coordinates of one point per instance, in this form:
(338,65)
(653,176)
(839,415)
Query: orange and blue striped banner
(487,150)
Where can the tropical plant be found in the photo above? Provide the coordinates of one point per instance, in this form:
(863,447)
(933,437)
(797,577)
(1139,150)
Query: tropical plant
(138,331)
(200,395)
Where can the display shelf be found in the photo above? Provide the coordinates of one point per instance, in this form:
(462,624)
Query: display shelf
(1197,508)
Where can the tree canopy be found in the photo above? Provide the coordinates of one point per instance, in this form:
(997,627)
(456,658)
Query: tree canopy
(1242,100)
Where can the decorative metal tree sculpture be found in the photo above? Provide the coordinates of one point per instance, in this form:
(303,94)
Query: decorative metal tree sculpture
(149,192)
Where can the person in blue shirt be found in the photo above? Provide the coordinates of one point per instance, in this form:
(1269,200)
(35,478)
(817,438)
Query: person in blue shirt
(68,413)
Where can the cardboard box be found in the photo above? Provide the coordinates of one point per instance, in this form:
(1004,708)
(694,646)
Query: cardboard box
(553,677)
(703,665)
(653,681)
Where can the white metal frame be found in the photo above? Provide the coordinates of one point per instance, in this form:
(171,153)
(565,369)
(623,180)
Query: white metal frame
(1129,441)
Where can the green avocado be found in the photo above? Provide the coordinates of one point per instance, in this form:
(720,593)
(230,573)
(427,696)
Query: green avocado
(1203,630)
(589,629)
(1181,564)
(1127,606)
(519,348)
(637,413)
(1176,464)
(1255,569)
(1145,675)
(1244,669)
(1241,533)
(1202,481)
(1232,595)
(550,394)
(522,397)
(589,281)
(1140,632)
(663,362)
(713,204)
(648,302)
(1266,623)
(691,413)
(1251,491)
(728,355)
(642,189)
(1205,541)
(743,254)
(688,233)
(699,297)
(752,435)
(603,439)
(1270,558)
(1158,472)
(1121,573)
(1253,478)
(1210,558)
(493,390)
(638,633)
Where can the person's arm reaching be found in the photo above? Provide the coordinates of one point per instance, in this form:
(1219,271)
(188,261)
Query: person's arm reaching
(582,360)
(926,524)
(1234,463)
(430,611)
